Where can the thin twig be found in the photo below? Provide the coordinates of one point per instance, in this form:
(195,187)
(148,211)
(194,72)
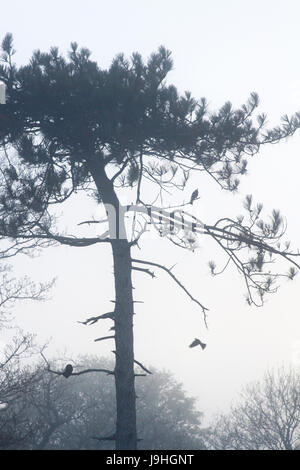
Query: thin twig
(204,309)
(104,337)
(93,320)
(147,271)
(142,367)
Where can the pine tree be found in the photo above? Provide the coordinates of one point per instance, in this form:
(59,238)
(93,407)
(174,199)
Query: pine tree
(74,126)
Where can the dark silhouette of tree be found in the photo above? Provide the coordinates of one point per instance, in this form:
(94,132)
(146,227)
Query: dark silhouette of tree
(267,417)
(71,414)
(16,378)
(69,126)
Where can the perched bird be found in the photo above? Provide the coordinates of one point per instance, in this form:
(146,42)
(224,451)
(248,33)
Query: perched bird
(68,370)
(197,342)
(194,196)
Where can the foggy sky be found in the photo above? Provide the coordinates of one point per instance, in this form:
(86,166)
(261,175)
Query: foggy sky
(223,51)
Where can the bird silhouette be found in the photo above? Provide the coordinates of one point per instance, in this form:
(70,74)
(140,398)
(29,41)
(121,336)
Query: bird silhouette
(194,196)
(197,342)
(68,370)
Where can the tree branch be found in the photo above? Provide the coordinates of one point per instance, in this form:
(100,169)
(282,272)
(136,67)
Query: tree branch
(106,438)
(86,371)
(204,309)
(92,320)
(143,367)
(147,271)
(104,337)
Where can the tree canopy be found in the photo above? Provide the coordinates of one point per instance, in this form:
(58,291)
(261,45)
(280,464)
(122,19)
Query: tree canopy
(67,119)
(68,125)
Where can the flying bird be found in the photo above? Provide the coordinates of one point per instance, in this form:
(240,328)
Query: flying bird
(68,370)
(194,196)
(197,342)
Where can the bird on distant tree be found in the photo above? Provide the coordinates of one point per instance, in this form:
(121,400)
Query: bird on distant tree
(68,370)
(194,196)
(197,342)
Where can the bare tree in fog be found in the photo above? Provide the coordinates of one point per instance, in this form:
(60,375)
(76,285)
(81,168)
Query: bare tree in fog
(68,414)
(69,126)
(17,379)
(266,418)
(13,289)
(16,376)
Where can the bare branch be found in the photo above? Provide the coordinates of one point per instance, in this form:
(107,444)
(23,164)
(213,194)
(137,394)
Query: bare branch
(139,364)
(142,367)
(104,337)
(204,309)
(93,222)
(93,320)
(66,240)
(147,271)
(48,369)
(107,438)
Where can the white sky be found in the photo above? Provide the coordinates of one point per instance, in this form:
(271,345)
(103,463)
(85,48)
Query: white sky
(223,51)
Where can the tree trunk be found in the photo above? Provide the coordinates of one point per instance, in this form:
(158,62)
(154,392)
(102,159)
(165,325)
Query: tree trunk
(126,435)
(124,369)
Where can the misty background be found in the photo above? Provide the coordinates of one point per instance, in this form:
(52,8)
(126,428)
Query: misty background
(222,51)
